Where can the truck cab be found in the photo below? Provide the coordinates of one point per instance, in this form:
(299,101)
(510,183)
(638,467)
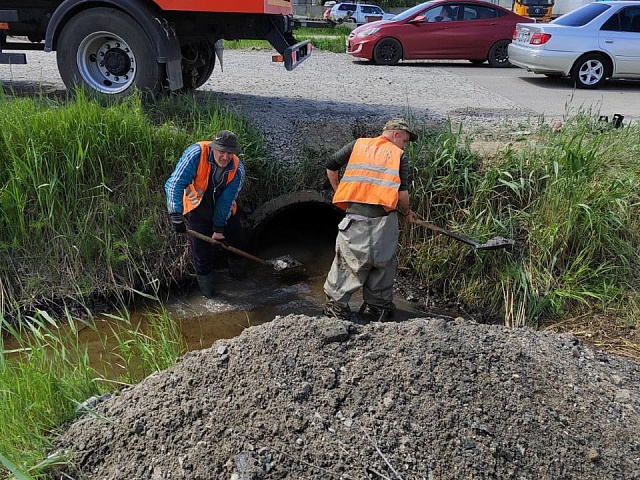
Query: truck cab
(541,10)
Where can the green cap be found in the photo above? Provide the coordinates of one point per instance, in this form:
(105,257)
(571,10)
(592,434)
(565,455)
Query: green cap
(400,124)
(225,141)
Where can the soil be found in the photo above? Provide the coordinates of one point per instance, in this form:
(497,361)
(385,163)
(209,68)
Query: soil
(317,398)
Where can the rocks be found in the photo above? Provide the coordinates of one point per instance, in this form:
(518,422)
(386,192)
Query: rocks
(424,398)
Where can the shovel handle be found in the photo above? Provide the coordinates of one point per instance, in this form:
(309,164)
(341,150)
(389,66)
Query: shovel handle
(436,228)
(231,249)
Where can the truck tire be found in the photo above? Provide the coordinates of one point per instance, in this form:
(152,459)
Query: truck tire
(590,70)
(104,50)
(198,61)
(387,51)
(499,54)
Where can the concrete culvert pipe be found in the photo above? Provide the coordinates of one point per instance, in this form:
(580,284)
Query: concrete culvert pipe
(302,224)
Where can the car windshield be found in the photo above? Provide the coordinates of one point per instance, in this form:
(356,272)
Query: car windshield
(412,11)
(582,16)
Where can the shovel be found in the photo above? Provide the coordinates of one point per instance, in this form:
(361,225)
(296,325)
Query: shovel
(280,264)
(492,244)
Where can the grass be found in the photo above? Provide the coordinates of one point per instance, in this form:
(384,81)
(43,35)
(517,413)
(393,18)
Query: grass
(326,39)
(81,193)
(45,379)
(570,201)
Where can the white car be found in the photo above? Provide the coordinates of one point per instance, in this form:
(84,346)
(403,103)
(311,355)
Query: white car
(359,13)
(595,42)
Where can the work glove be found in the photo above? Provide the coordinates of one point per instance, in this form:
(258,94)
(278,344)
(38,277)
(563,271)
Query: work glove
(177,221)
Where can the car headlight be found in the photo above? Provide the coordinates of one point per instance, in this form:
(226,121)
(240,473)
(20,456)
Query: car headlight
(368,31)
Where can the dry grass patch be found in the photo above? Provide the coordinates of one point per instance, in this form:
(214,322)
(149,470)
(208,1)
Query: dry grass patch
(602,332)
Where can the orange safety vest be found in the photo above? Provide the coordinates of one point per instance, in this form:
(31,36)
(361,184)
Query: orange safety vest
(195,191)
(372,175)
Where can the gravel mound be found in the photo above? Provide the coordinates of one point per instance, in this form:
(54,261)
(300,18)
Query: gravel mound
(315,398)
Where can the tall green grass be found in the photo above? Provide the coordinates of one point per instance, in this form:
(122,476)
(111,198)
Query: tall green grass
(570,201)
(82,210)
(45,380)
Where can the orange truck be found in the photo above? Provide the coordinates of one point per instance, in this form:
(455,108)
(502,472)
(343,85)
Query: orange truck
(116,46)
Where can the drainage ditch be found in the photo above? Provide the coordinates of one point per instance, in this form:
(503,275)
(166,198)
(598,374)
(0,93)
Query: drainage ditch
(303,226)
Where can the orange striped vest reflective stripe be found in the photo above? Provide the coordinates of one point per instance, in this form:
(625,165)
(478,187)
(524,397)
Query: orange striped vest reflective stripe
(372,175)
(195,191)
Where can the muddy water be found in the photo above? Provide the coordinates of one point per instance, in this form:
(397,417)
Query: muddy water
(263,295)
(238,304)
(257,299)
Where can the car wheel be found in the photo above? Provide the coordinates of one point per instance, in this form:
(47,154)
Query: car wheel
(198,61)
(590,70)
(499,54)
(387,51)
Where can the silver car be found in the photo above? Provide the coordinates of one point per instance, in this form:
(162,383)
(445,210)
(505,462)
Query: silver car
(595,42)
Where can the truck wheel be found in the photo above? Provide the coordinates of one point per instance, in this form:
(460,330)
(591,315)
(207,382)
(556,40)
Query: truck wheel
(106,50)
(590,70)
(387,51)
(499,54)
(198,61)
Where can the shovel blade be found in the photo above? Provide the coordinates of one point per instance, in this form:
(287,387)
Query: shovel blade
(495,243)
(284,263)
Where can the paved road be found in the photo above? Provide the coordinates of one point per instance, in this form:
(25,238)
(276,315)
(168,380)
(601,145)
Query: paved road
(553,97)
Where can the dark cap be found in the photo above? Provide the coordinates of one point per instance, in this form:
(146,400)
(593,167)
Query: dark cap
(225,141)
(400,124)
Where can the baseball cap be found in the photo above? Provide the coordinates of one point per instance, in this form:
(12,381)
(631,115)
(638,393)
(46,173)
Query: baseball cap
(400,124)
(225,141)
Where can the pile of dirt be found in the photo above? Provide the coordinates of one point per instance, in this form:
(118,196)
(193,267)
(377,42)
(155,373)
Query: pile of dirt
(311,397)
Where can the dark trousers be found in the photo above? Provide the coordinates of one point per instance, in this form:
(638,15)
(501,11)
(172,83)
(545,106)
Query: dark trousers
(206,256)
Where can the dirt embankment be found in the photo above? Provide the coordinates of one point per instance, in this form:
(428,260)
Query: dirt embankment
(314,398)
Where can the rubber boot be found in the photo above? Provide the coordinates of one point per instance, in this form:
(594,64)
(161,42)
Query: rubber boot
(333,309)
(205,282)
(383,314)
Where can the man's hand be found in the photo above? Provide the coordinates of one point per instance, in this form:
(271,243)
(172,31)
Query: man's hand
(220,238)
(177,221)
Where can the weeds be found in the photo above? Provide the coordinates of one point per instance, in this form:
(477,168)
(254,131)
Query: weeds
(570,202)
(81,192)
(44,380)
(327,39)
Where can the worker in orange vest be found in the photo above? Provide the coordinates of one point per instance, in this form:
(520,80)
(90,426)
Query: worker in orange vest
(372,191)
(203,188)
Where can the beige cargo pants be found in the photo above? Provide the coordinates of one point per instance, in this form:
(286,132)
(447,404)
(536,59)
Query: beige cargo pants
(365,257)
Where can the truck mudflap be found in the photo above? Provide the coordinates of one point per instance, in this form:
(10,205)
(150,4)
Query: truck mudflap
(12,58)
(296,54)
(7,16)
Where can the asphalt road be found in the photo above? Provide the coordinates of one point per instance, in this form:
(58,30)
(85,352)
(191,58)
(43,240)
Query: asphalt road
(549,96)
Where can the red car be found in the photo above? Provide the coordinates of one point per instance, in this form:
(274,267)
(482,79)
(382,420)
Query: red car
(473,30)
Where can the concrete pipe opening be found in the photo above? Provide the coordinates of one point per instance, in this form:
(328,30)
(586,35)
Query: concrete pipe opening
(303,225)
